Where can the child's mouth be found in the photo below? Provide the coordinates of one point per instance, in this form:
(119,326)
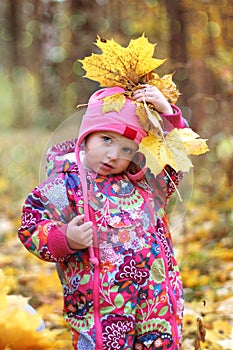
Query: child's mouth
(106,166)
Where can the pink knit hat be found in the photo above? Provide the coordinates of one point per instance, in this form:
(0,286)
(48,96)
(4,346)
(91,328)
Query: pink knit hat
(125,122)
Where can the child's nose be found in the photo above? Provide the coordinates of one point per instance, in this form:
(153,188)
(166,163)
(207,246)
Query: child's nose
(114,153)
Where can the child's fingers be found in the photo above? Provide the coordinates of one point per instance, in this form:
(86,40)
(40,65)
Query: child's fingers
(87,237)
(147,91)
(80,232)
(151,94)
(78,220)
(85,232)
(78,238)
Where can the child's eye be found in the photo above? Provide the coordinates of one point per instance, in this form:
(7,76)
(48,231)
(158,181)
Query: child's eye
(107,139)
(127,150)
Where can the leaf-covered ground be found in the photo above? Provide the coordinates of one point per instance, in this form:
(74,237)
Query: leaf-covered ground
(203,239)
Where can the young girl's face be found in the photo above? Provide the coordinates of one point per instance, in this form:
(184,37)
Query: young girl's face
(108,152)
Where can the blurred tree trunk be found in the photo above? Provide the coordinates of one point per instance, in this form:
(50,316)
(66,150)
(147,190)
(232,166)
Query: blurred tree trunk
(87,13)
(51,85)
(15,59)
(35,60)
(14,30)
(227,35)
(177,46)
(204,82)
(177,31)
(84,33)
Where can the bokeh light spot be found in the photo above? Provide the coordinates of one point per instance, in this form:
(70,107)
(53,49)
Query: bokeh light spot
(18,153)
(77,21)
(181,74)
(213,29)
(6,35)
(28,8)
(26,40)
(177,27)
(33,27)
(23,77)
(59,20)
(210,105)
(57,54)
(77,68)
(101,2)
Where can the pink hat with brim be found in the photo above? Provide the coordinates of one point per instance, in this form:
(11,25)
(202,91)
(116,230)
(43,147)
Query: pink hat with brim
(125,122)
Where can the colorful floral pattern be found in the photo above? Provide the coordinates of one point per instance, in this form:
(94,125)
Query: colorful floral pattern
(116,330)
(140,290)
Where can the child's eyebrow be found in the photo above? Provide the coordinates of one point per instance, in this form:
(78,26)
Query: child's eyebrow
(133,147)
(105,133)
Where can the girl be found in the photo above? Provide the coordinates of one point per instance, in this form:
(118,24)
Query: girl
(102,220)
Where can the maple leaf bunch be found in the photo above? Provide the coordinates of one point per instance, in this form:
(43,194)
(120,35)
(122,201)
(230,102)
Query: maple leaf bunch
(130,67)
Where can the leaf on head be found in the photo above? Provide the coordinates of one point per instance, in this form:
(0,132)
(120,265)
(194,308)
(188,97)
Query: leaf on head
(113,103)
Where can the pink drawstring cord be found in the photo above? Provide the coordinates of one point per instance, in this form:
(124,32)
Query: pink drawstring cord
(93,259)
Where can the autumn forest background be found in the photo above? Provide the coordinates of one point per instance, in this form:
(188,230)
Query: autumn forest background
(40,86)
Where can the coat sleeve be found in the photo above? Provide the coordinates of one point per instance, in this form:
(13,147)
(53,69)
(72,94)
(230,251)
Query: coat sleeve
(175,120)
(163,185)
(45,215)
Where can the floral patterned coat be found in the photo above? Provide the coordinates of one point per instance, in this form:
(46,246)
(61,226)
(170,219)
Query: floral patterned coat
(133,298)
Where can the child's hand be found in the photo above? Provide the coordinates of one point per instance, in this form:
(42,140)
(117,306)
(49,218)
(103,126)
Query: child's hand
(79,235)
(153,95)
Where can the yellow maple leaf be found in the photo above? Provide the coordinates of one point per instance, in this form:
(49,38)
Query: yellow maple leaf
(139,56)
(172,149)
(154,117)
(166,85)
(113,102)
(121,66)
(193,144)
(160,153)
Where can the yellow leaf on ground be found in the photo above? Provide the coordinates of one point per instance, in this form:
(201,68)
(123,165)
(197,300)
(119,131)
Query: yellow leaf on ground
(222,253)
(18,329)
(221,332)
(190,278)
(7,283)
